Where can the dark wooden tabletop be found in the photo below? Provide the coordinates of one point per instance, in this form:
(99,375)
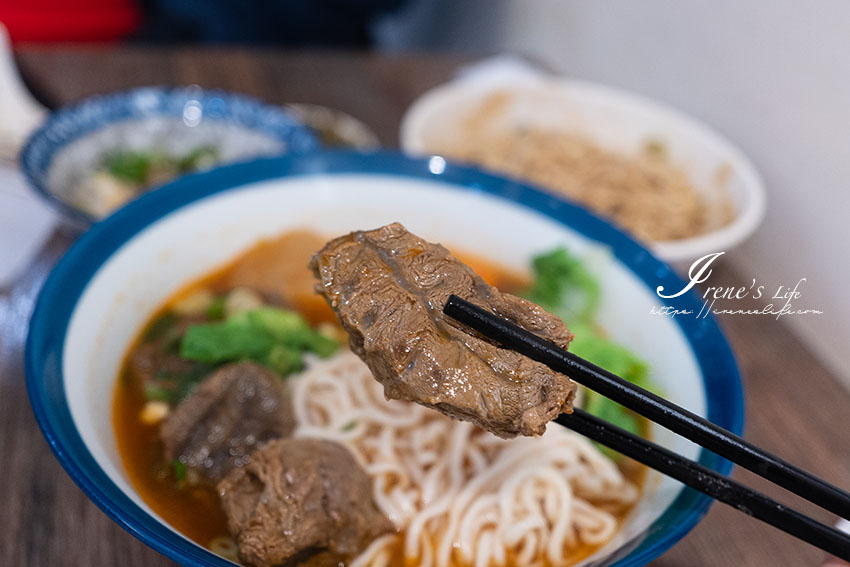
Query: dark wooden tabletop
(795,407)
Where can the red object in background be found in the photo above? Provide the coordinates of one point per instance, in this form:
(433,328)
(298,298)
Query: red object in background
(69,20)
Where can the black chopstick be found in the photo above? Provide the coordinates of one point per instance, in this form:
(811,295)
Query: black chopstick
(653,407)
(709,482)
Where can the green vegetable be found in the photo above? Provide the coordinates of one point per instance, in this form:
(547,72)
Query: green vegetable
(129,165)
(154,392)
(613,413)
(215,310)
(201,157)
(590,344)
(283,359)
(236,338)
(279,323)
(271,336)
(319,344)
(139,166)
(563,286)
(179,470)
(159,327)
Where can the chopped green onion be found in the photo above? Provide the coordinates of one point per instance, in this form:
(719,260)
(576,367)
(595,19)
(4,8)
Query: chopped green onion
(215,310)
(159,327)
(199,158)
(129,165)
(179,470)
(158,393)
(284,360)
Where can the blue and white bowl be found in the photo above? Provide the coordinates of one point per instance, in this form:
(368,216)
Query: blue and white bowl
(105,288)
(63,153)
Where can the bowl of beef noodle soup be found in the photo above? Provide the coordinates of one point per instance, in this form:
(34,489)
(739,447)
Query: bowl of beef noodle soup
(204,392)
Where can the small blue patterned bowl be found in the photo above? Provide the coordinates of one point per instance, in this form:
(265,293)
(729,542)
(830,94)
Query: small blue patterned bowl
(61,157)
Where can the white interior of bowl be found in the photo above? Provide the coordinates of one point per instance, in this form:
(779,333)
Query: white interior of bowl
(614,119)
(190,242)
(76,161)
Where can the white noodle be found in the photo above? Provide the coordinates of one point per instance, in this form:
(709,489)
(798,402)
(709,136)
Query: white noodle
(459,496)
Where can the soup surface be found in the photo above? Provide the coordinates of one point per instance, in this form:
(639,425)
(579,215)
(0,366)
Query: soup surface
(273,272)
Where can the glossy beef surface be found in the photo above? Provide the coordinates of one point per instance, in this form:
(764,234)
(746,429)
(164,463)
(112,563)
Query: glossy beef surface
(303,502)
(226,418)
(388,288)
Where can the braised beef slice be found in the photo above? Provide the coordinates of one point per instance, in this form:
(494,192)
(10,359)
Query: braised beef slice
(388,288)
(229,415)
(301,502)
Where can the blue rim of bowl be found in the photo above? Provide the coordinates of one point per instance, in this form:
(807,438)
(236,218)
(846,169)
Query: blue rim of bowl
(89,115)
(63,288)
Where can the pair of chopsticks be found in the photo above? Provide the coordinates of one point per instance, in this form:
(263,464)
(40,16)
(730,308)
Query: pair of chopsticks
(682,422)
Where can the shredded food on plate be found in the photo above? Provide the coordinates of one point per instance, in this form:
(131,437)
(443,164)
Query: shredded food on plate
(644,193)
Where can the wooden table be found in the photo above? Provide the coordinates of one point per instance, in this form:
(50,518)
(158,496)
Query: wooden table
(795,407)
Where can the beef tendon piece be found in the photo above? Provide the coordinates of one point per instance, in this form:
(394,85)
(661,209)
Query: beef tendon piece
(228,416)
(303,502)
(388,288)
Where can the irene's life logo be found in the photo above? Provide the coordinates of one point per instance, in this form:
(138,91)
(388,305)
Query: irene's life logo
(719,299)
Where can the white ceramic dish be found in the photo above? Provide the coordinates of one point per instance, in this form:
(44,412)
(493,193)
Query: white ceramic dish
(115,277)
(614,119)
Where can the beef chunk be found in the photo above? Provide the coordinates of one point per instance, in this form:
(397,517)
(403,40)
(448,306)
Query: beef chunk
(229,415)
(301,502)
(388,288)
